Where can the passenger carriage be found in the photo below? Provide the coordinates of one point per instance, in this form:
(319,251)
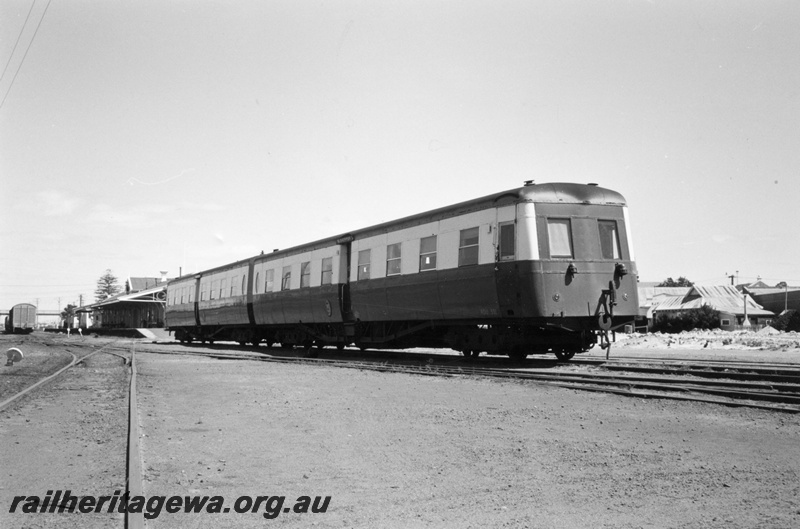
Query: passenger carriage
(542,268)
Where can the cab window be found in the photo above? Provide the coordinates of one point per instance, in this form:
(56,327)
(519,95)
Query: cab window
(609,239)
(559,235)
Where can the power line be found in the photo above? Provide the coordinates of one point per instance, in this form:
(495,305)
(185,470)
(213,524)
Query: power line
(47,286)
(26,52)
(21,31)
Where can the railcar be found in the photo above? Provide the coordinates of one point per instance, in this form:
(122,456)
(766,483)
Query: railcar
(21,319)
(544,268)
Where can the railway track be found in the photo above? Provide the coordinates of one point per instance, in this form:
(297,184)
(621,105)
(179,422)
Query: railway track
(134,473)
(775,388)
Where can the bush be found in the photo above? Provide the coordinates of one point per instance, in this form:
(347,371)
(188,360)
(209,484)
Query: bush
(789,320)
(705,317)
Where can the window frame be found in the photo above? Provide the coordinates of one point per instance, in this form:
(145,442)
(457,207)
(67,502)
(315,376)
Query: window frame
(214,290)
(467,253)
(553,221)
(425,267)
(305,274)
(326,274)
(286,278)
(616,251)
(394,264)
(269,280)
(363,267)
(501,254)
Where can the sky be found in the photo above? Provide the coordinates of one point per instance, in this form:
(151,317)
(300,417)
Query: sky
(176,135)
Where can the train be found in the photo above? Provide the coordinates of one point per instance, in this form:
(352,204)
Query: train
(21,319)
(541,269)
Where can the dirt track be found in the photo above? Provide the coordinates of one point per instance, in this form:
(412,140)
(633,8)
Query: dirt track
(408,451)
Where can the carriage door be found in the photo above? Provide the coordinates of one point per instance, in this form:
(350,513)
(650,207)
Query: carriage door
(506,264)
(345,244)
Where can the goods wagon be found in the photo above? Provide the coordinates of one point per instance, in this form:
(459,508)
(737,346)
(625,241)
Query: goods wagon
(21,319)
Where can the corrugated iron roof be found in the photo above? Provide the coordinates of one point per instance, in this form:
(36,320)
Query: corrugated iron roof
(722,298)
(142,283)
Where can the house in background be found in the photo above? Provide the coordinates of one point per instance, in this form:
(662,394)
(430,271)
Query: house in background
(736,309)
(650,294)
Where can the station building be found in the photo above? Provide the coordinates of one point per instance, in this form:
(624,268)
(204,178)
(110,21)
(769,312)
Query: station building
(140,306)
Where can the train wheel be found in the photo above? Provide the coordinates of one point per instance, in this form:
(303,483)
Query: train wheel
(563,356)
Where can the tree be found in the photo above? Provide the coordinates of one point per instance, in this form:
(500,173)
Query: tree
(107,286)
(67,314)
(681,282)
(705,317)
(782,284)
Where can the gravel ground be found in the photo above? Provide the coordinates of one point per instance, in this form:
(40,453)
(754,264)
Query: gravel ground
(409,451)
(395,450)
(70,435)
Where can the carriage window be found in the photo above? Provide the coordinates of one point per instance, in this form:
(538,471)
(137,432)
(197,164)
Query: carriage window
(327,271)
(244,284)
(305,274)
(427,253)
(269,280)
(203,291)
(363,264)
(191,294)
(609,239)
(286,281)
(393,252)
(560,238)
(507,249)
(233,286)
(255,285)
(222,288)
(214,287)
(468,247)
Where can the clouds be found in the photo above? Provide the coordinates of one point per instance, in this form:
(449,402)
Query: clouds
(58,203)
(53,203)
